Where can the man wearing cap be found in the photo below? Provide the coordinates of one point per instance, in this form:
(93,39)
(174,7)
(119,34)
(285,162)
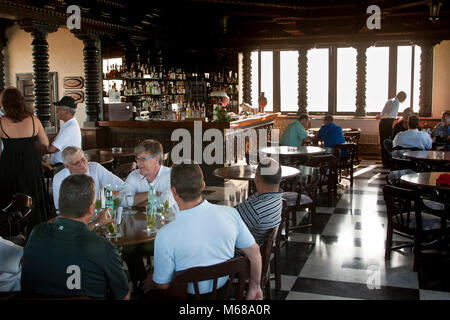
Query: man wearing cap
(69,134)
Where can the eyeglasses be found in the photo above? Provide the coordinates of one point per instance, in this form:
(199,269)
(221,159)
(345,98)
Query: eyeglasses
(143,158)
(79,162)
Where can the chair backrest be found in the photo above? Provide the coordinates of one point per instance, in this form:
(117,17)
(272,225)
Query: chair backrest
(308,181)
(353,136)
(345,154)
(123,170)
(326,164)
(238,270)
(266,251)
(400,203)
(13,217)
(393,178)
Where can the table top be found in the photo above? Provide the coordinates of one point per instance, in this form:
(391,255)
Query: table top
(100,158)
(247,172)
(109,152)
(344,130)
(432,155)
(293,151)
(132,228)
(424,179)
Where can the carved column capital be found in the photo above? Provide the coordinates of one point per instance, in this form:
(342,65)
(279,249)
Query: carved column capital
(37,27)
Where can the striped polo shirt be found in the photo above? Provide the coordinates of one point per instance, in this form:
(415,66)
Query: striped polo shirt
(261,212)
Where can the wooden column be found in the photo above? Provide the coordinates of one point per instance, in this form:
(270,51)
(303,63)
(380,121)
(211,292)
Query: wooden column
(247,78)
(41,78)
(361,64)
(3,41)
(426,78)
(303,79)
(92,72)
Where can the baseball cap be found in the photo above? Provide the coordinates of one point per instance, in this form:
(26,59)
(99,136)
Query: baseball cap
(67,102)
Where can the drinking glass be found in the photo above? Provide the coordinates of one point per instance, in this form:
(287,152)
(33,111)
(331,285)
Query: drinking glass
(151,222)
(111,228)
(130,200)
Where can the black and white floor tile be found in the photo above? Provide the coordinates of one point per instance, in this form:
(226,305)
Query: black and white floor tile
(343,258)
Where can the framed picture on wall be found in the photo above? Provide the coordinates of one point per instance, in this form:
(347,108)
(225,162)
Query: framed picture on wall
(24,82)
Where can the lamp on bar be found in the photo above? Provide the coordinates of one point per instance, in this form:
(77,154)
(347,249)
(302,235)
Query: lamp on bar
(435,7)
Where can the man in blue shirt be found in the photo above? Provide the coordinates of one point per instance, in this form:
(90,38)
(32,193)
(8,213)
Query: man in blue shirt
(295,132)
(330,133)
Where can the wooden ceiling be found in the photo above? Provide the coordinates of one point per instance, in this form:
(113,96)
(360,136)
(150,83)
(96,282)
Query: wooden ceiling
(246,23)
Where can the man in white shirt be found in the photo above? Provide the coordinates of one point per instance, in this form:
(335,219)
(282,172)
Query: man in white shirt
(10,267)
(69,133)
(149,158)
(387,117)
(413,138)
(75,162)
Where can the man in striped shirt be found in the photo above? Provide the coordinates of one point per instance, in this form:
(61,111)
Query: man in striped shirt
(262,210)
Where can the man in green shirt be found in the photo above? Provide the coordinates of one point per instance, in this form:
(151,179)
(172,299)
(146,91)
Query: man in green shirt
(66,258)
(295,132)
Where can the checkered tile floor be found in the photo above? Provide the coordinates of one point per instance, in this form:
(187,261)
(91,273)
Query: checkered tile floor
(343,257)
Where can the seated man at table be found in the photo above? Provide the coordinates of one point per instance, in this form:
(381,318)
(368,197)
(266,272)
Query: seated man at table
(413,138)
(262,210)
(441,131)
(66,258)
(75,162)
(10,265)
(330,133)
(149,158)
(295,132)
(203,234)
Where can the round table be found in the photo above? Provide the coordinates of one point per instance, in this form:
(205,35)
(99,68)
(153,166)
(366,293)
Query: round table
(101,158)
(293,151)
(126,152)
(432,155)
(132,228)
(247,172)
(424,179)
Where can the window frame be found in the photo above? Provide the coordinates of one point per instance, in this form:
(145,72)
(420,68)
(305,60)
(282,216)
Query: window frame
(332,76)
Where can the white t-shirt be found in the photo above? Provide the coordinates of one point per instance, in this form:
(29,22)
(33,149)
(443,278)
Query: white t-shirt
(390,109)
(10,268)
(201,236)
(69,136)
(96,171)
(136,183)
(413,138)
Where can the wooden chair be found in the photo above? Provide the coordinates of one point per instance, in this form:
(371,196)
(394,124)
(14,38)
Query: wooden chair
(305,198)
(327,166)
(15,215)
(123,170)
(400,162)
(353,137)
(277,247)
(345,158)
(238,270)
(266,251)
(23,296)
(405,217)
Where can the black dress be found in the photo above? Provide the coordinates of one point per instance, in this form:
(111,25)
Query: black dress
(21,171)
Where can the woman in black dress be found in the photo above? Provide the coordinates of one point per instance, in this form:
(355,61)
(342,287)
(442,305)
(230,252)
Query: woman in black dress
(20,161)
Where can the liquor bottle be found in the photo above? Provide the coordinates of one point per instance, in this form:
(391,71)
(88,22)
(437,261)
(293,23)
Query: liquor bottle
(109,201)
(203,110)
(151,200)
(188,111)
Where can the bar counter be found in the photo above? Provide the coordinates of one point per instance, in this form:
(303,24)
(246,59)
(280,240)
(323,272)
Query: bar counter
(129,133)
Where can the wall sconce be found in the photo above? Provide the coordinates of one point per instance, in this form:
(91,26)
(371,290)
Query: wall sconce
(435,7)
